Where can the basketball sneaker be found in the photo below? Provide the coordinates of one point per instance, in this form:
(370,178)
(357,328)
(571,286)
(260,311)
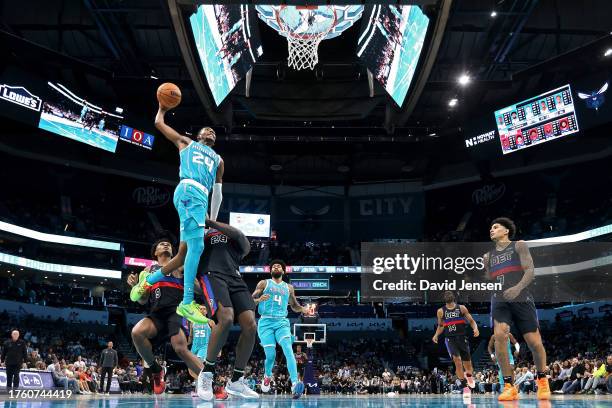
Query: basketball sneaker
(159,385)
(265,384)
(204,385)
(241,389)
(509,394)
(470,380)
(191,312)
(543,392)
(297,389)
(467,392)
(220,394)
(141,288)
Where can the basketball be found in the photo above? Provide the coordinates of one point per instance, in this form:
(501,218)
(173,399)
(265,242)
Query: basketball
(169,95)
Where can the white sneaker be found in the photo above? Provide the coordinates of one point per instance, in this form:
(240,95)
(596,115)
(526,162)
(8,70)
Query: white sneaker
(204,385)
(241,389)
(265,384)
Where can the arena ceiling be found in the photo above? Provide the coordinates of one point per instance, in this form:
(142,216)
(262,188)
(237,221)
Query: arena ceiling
(526,44)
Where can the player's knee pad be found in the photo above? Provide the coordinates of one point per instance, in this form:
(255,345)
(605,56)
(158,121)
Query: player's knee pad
(195,245)
(270,353)
(287,345)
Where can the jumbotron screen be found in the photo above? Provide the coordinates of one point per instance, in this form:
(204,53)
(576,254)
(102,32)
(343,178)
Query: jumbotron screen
(536,120)
(390,44)
(252,225)
(227,40)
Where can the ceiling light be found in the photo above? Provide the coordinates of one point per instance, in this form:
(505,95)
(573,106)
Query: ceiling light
(464,79)
(453,102)
(494,14)
(343,168)
(407,168)
(608,52)
(276,167)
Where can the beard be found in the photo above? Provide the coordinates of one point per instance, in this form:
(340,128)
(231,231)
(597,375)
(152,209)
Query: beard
(277,275)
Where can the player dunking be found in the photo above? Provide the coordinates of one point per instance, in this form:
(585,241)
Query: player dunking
(200,168)
(510,264)
(451,320)
(273,296)
(227,297)
(162,322)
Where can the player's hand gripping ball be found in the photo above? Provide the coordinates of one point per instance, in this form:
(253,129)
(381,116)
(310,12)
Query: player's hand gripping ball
(169,95)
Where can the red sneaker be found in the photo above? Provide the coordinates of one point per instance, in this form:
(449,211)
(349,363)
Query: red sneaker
(159,385)
(220,394)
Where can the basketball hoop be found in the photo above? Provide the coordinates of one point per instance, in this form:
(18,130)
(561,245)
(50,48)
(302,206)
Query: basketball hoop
(309,343)
(305,27)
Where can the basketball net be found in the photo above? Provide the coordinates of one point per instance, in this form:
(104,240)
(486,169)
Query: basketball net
(304,46)
(309,343)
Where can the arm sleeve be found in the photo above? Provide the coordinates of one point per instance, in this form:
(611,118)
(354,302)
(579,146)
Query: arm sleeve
(215,202)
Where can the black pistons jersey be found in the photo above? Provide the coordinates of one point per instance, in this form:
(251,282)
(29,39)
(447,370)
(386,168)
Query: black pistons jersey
(221,254)
(453,320)
(505,266)
(165,294)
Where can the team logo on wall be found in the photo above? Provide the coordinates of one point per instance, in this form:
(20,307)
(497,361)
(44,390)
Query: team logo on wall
(20,96)
(594,99)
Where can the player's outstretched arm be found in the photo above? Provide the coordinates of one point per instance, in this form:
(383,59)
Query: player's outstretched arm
(172,135)
(293,302)
(440,327)
(470,320)
(233,233)
(217,192)
(257,293)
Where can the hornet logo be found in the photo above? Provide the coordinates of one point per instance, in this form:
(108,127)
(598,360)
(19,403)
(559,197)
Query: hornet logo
(310,218)
(596,98)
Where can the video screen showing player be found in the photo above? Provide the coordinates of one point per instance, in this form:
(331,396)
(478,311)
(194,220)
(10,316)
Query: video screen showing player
(227,40)
(390,45)
(68,115)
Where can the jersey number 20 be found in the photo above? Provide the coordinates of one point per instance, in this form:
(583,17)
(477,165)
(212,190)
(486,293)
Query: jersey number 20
(199,158)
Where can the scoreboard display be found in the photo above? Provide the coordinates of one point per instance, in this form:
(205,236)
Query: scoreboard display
(540,119)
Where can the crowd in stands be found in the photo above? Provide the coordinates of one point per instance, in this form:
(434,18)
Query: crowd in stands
(580,361)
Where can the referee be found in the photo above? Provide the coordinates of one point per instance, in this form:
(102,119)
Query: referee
(14,354)
(108,361)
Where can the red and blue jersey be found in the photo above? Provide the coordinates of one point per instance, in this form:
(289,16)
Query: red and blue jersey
(453,321)
(505,266)
(167,293)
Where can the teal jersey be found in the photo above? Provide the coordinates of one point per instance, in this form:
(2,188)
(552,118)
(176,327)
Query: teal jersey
(277,305)
(201,336)
(199,163)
